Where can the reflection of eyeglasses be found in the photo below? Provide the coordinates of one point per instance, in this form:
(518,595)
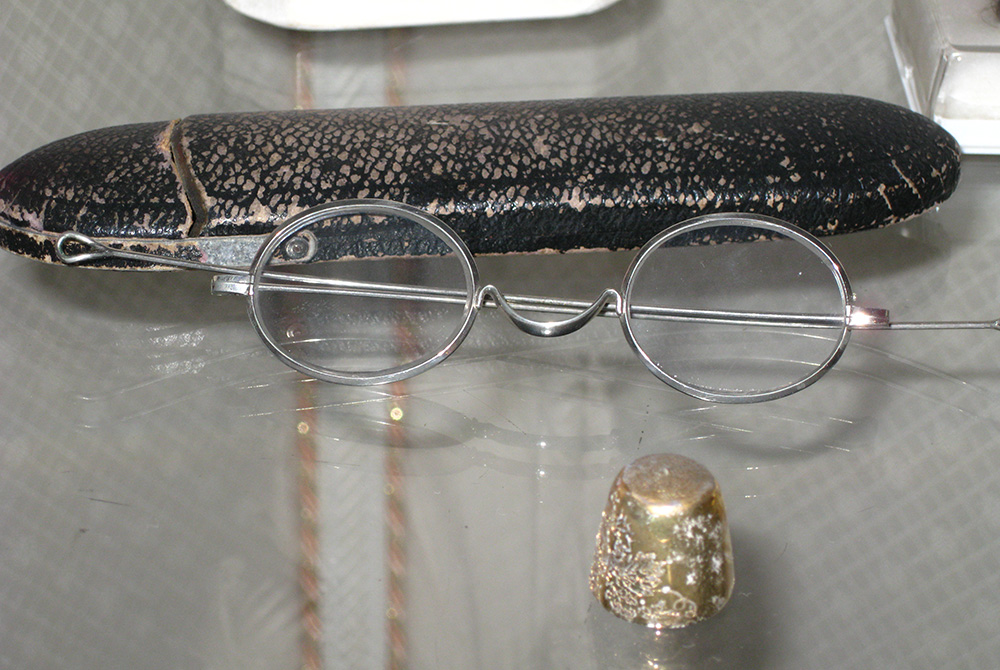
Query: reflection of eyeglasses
(731,308)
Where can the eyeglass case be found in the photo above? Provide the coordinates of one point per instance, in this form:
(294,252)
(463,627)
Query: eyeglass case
(508,177)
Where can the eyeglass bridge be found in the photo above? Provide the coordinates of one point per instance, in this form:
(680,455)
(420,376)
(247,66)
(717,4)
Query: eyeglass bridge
(609,302)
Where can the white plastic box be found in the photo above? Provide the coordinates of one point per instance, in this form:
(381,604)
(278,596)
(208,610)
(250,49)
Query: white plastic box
(326,15)
(948,54)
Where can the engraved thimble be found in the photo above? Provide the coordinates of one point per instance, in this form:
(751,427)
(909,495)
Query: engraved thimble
(664,557)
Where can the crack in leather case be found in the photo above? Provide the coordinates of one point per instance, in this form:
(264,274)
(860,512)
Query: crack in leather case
(508,177)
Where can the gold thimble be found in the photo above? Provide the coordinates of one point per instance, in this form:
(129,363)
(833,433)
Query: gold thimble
(664,557)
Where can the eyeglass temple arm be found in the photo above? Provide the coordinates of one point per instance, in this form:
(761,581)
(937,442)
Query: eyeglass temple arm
(863,322)
(610,304)
(92,250)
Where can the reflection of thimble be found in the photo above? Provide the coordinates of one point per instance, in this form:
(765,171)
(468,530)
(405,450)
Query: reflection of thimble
(663,556)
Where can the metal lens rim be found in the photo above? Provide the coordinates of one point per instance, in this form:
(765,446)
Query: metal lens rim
(373,207)
(756,221)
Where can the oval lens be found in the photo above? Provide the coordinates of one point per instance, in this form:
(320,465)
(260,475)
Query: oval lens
(736,308)
(363,292)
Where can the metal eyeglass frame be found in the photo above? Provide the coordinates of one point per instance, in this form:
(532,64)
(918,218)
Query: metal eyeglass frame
(252,283)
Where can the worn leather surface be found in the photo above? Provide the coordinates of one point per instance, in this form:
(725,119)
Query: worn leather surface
(509,177)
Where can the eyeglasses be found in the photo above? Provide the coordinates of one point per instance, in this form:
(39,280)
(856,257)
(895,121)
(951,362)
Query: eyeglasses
(731,308)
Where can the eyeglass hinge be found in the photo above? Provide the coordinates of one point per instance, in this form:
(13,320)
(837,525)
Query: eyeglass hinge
(230,285)
(868,317)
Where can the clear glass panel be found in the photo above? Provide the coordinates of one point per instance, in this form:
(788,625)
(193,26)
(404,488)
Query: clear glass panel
(363,294)
(770,309)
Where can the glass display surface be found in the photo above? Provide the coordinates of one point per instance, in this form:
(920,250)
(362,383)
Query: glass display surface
(172,495)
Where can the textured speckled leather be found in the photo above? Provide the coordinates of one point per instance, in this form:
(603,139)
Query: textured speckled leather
(509,177)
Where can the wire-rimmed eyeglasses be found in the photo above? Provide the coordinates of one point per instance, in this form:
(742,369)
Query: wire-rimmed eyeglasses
(731,308)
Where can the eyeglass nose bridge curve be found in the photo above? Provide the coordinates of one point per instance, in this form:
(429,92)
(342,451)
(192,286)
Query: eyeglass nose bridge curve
(550,328)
